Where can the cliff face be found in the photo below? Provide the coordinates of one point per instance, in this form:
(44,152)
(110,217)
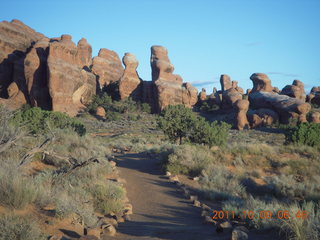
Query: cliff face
(56,74)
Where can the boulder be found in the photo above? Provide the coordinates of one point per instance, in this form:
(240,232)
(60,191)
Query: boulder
(69,92)
(261,83)
(241,121)
(262,117)
(239,235)
(169,88)
(287,107)
(130,83)
(101,112)
(225,82)
(296,90)
(315,117)
(107,67)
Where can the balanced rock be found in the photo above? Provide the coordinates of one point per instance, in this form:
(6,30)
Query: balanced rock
(69,92)
(130,83)
(169,88)
(108,68)
(261,83)
(296,90)
(241,107)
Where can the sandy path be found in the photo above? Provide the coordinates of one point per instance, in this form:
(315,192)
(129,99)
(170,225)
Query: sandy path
(160,211)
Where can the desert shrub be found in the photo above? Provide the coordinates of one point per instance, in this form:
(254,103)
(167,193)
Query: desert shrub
(218,183)
(16,191)
(188,159)
(208,106)
(176,122)
(302,228)
(257,206)
(8,133)
(69,144)
(261,149)
(38,121)
(112,107)
(209,134)
(287,187)
(304,133)
(108,197)
(19,228)
(78,202)
(179,123)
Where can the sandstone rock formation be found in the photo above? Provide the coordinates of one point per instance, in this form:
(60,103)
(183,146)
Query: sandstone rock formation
(101,112)
(202,95)
(168,87)
(315,117)
(130,83)
(263,96)
(35,72)
(229,97)
(296,90)
(314,96)
(107,66)
(230,92)
(241,121)
(287,107)
(225,82)
(15,40)
(235,86)
(69,92)
(261,82)
(262,117)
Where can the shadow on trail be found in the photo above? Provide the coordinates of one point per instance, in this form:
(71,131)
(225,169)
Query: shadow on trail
(160,211)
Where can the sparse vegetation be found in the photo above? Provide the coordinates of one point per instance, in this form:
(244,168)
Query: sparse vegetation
(19,228)
(15,190)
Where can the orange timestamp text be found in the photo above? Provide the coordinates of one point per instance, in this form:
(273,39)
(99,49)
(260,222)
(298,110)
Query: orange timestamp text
(281,214)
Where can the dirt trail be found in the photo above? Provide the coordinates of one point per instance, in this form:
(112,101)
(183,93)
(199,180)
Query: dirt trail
(160,211)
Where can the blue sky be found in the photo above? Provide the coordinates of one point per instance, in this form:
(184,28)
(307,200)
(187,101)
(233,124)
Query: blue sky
(205,38)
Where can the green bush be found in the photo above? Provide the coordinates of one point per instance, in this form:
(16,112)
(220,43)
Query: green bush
(208,106)
(17,228)
(114,108)
(38,121)
(179,123)
(304,133)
